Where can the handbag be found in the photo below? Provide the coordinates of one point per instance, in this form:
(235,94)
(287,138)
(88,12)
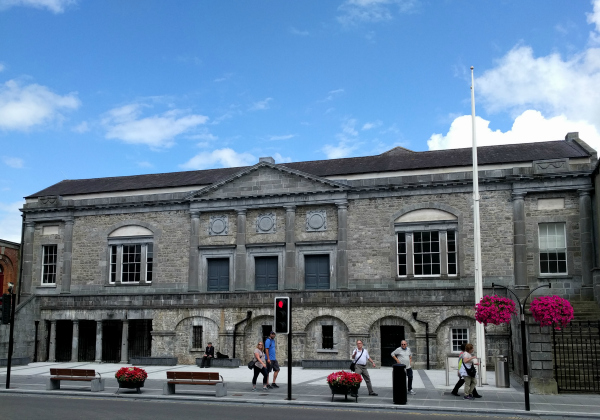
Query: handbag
(251,364)
(472,371)
(353,364)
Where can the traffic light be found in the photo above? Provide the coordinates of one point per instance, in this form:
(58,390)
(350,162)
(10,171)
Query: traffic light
(282,315)
(6,309)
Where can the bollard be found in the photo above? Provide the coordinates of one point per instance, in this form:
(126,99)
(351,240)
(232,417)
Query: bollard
(399,383)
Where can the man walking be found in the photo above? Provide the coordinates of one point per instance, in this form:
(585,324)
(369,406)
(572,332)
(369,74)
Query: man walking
(271,359)
(360,356)
(403,355)
(209,354)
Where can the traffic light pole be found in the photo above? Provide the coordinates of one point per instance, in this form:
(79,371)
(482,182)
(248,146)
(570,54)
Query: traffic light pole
(10,338)
(289,355)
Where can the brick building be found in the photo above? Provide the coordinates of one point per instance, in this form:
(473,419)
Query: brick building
(9,264)
(158,265)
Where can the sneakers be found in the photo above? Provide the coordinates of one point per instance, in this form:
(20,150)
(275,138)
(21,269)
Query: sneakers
(455,394)
(274,386)
(411,392)
(373,394)
(253,389)
(476,396)
(265,389)
(467,397)
(269,387)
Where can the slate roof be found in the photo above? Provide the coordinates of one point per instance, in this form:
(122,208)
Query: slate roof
(397,159)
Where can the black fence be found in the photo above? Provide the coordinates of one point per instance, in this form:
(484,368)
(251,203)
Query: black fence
(577,357)
(140,338)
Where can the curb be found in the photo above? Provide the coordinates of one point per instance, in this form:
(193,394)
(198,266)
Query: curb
(284,403)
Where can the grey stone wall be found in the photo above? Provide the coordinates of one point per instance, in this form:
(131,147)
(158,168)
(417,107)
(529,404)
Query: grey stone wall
(228,239)
(24,331)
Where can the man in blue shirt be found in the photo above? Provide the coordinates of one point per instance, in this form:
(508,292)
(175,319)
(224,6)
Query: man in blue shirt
(271,359)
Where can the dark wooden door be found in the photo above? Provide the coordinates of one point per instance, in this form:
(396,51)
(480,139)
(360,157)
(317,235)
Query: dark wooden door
(316,271)
(64,340)
(140,338)
(111,341)
(266,273)
(391,337)
(218,274)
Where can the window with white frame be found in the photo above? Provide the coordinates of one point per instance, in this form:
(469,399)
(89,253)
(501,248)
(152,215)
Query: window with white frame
(427,244)
(553,248)
(49,263)
(459,337)
(131,255)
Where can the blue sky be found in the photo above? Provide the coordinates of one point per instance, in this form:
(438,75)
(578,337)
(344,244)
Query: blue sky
(120,87)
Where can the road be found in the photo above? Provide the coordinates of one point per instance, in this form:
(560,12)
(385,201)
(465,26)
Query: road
(25,407)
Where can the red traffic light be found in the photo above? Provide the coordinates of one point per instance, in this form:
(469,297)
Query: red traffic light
(280,303)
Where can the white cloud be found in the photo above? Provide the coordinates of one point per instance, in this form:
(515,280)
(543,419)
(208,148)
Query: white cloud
(594,18)
(56,6)
(225,158)
(348,141)
(2,67)
(13,162)
(145,164)
(283,137)
(370,125)
(357,11)
(529,127)
(81,128)
(280,159)
(157,131)
(332,94)
(10,221)
(260,105)
(23,107)
(298,32)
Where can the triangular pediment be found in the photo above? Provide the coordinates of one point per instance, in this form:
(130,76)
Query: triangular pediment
(267,179)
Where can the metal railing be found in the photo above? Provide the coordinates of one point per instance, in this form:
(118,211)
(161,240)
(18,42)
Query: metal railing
(577,357)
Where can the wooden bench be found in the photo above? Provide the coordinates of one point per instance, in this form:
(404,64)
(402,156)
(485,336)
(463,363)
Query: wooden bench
(195,378)
(85,375)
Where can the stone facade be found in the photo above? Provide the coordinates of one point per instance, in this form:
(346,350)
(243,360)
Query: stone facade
(332,245)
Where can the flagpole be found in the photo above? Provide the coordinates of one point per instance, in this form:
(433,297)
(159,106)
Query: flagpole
(479,330)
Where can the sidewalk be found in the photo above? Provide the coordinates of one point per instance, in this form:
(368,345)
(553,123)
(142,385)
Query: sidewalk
(310,389)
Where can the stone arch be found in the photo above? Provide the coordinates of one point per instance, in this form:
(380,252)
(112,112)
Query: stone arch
(130,230)
(132,222)
(374,344)
(184,350)
(423,206)
(314,338)
(458,319)
(252,333)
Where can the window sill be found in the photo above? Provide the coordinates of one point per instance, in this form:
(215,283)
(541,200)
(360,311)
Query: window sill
(136,284)
(554,276)
(46,286)
(327,351)
(197,349)
(441,277)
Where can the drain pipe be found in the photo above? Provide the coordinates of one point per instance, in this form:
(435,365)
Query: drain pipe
(414,314)
(248,315)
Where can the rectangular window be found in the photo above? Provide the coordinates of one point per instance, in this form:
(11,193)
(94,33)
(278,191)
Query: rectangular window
(49,263)
(553,248)
(402,254)
(197,337)
(327,331)
(131,263)
(451,250)
(459,336)
(426,252)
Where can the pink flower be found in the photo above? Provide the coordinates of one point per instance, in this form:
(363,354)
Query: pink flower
(494,310)
(552,311)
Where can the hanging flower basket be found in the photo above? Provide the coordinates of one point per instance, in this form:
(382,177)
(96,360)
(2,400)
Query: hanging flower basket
(552,311)
(131,377)
(494,310)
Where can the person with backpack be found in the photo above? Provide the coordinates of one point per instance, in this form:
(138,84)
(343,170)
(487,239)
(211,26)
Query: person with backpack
(260,366)
(467,371)
(461,380)
(272,364)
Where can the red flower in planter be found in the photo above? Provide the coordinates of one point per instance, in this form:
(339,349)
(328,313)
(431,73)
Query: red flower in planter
(494,310)
(131,374)
(344,378)
(552,311)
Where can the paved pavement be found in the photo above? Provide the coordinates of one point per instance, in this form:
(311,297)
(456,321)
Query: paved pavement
(310,389)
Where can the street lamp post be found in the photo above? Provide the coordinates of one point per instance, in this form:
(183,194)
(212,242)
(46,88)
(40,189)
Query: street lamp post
(523,338)
(11,333)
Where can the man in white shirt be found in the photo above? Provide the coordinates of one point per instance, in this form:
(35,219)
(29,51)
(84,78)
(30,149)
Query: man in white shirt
(403,355)
(360,356)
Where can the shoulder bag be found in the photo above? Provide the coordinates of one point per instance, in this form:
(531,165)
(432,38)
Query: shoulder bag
(353,364)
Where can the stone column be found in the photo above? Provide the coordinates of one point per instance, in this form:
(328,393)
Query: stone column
(520,241)
(193,280)
(52,352)
(98,341)
(240,252)
(587,255)
(342,244)
(75,342)
(27,281)
(67,257)
(291,282)
(125,342)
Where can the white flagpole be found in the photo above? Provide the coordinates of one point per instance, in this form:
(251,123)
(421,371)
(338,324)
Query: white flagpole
(479,330)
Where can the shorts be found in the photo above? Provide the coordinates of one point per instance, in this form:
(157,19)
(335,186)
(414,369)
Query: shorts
(273,366)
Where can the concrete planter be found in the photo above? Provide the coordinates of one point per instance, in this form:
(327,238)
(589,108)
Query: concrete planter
(221,363)
(153,361)
(327,364)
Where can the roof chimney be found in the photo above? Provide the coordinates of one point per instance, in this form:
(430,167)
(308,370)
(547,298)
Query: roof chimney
(572,136)
(267,159)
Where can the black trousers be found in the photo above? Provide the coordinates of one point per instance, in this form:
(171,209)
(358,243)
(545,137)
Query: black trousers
(205,361)
(460,383)
(258,371)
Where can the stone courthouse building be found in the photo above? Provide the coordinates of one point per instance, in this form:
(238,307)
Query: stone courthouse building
(158,265)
